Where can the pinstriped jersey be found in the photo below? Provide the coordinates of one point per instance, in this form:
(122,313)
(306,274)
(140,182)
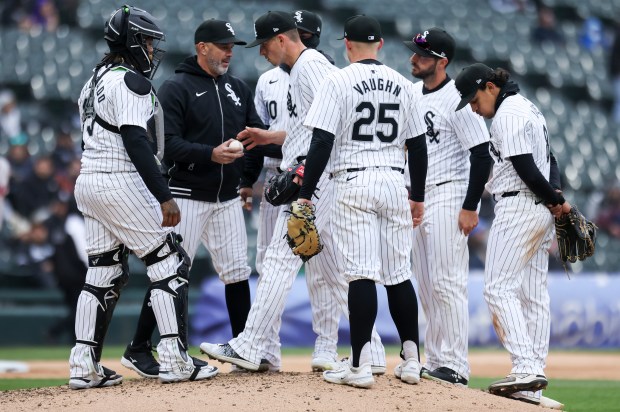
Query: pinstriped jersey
(307,74)
(116,104)
(270,102)
(449,134)
(518,128)
(372,110)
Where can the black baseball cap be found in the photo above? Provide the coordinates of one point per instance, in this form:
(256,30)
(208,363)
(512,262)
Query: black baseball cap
(216,31)
(362,28)
(271,24)
(308,21)
(434,42)
(469,80)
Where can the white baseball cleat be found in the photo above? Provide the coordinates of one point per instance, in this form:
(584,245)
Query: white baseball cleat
(86,372)
(346,374)
(408,371)
(177,366)
(323,363)
(543,401)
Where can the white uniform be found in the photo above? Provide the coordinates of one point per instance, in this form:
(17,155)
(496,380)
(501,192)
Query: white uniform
(518,246)
(280,266)
(118,209)
(440,254)
(372,219)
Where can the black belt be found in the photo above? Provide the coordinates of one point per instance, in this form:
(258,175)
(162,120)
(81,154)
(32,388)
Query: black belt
(360,169)
(515,193)
(442,183)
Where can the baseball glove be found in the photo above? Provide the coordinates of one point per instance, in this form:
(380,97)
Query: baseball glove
(576,236)
(302,234)
(281,189)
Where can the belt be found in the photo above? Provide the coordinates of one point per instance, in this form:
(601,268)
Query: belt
(442,183)
(513,194)
(361,169)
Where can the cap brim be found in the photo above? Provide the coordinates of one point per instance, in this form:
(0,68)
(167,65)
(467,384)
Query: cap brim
(417,49)
(465,101)
(231,40)
(256,43)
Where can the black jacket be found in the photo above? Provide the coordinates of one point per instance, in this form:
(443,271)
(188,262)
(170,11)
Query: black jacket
(200,113)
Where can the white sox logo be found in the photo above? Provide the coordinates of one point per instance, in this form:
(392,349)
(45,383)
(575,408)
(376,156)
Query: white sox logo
(230,29)
(430,127)
(232,94)
(292,108)
(424,34)
(298,16)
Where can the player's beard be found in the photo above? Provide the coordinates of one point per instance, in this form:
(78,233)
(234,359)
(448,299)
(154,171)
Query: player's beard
(423,74)
(216,66)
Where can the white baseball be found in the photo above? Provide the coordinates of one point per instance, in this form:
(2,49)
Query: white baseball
(236,145)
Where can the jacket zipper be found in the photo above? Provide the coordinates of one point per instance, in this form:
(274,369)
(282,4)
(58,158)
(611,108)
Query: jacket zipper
(217,92)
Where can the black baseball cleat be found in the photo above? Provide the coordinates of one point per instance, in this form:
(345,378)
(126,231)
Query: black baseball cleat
(141,360)
(424,373)
(443,374)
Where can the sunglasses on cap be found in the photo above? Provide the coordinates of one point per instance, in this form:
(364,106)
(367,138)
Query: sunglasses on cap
(422,43)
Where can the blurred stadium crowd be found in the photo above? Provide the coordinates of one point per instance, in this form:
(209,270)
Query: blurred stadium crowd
(565,54)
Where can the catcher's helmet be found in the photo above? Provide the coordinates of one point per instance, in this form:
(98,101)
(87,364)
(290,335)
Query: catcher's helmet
(126,31)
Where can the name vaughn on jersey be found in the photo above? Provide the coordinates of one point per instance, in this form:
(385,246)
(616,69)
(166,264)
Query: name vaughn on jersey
(373,84)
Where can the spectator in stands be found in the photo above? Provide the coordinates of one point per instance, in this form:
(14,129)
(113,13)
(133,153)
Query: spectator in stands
(65,150)
(37,191)
(614,71)
(608,218)
(546,29)
(19,159)
(42,13)
(10,116)
(593,36)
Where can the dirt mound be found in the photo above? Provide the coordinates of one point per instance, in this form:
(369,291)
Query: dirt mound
(287,391)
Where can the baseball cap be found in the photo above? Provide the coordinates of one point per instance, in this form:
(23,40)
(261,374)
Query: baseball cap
(216,31)
(271,24)
(434,42)
(469,80)
(362,28)
(308,21)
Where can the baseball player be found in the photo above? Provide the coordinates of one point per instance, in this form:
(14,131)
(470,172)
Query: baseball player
(127,206)
(205,108)
(365,114)
(270,101)
(455,140)
(523,185)
(279,41)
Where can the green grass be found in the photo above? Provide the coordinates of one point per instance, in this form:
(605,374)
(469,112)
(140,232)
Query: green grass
(576,395)
(10,384)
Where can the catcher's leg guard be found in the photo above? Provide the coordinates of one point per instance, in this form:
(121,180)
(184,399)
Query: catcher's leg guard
(168,268)
(107,274)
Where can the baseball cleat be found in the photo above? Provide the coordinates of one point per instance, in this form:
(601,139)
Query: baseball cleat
(225,353)
(408,371)
(346,374)
(517,382)
(424,373)
(141,360)
(543,401)
(447,375)
(265,366)
(322,364)
(178,366)
(376,369)
(105,377)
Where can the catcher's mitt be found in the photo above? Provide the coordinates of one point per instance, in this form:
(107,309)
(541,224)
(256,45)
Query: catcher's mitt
(302,234)
(281,189)
(576,236)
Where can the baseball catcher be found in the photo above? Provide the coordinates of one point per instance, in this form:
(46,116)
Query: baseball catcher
(282,189)
(576,236)
(302,234)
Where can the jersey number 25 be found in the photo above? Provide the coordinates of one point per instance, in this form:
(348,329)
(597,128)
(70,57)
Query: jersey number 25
(383,118)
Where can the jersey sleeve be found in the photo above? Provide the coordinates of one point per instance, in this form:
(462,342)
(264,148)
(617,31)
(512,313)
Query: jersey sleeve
(325,111)
(469,127)
(413,120)
(259,102)
(131,108)
(516,135)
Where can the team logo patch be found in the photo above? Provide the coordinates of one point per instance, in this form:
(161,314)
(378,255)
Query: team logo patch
(232,95)
(298,16)
(230,29)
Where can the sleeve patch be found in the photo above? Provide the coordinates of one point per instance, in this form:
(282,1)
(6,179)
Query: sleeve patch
(137,83)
